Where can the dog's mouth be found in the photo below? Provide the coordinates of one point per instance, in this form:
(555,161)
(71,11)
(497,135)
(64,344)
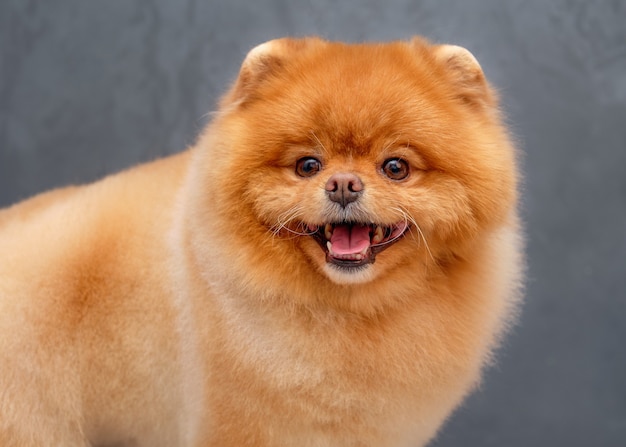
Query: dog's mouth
(350,245)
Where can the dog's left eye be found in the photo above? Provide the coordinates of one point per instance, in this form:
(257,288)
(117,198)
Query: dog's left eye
(396,168)
(308,166)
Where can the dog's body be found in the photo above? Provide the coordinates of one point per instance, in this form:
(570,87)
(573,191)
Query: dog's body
(184,303)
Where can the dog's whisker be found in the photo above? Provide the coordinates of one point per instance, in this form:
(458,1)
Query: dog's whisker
(408,218)
(319,142)
(286,218)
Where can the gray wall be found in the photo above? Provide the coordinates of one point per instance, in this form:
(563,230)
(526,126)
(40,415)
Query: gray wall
(89,87)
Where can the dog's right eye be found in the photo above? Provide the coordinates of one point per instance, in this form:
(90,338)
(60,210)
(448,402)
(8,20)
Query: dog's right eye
(308,166)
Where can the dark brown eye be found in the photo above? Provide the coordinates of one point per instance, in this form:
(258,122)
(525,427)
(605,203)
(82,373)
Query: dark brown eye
(396,169)
(308,166)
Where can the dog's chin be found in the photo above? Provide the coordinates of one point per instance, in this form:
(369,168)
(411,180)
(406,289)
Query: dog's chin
(349,275)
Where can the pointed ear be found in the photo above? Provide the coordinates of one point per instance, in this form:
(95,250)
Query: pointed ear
(466,74)
(262,63)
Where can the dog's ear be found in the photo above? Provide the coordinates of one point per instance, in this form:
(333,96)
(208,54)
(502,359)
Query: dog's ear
(261,64)
(466,74)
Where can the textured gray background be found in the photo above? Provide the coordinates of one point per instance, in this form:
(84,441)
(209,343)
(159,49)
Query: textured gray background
(89,87)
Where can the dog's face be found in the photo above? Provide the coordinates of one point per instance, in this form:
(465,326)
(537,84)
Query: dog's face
(359,159)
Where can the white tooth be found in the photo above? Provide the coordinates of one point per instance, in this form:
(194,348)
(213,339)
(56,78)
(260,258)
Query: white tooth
(328,231)
(358,257)
(378,235)
(330,247)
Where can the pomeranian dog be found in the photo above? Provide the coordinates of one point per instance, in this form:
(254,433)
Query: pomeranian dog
(332,264)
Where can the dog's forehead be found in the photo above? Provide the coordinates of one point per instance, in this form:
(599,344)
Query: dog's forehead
(350,103)
(352,124)
(360,98)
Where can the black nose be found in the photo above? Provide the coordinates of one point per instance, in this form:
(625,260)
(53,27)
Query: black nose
(344,188)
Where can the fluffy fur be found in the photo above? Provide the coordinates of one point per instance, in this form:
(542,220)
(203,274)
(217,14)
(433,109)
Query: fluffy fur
(192,302)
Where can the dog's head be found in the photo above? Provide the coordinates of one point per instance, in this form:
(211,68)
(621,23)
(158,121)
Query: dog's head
(353,161)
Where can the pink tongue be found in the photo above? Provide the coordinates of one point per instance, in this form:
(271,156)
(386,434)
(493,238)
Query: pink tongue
(350,239)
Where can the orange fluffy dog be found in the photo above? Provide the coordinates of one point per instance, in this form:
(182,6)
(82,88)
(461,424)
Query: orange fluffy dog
(330,265)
